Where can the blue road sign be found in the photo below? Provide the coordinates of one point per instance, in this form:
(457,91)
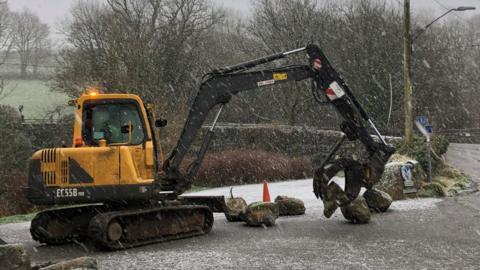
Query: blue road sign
(429,129)
(422,120)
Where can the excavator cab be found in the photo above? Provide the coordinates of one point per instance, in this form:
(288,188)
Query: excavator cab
(112,156)
(116,123)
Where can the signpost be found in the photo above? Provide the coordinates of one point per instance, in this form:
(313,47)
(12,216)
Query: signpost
(426,129)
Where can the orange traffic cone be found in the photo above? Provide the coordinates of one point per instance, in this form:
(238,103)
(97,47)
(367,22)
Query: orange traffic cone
(266,193)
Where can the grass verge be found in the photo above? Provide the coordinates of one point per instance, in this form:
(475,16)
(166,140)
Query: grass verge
(196,189)
(17,218)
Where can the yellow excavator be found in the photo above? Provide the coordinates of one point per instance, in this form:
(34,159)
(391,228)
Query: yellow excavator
(120,193)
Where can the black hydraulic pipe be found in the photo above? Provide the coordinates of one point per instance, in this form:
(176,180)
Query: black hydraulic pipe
(333,150)
(248,64)
(203,149)
(255,62)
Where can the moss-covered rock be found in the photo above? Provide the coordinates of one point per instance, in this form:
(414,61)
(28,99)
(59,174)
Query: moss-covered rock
(418,174)
(84,263)
(447,181)
(289,206)
(235,209)
(433,189)
(377,200)
(261,213)
(357,211)
(14,256)
(452,179)
(391,181)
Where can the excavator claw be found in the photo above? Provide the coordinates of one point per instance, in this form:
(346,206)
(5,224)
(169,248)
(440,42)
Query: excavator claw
(357,175)
(330,192)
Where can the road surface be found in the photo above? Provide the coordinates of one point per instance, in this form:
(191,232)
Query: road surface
(413,234)
(467,157)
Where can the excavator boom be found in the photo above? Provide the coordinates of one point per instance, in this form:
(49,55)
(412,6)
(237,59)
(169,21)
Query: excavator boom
(220,85)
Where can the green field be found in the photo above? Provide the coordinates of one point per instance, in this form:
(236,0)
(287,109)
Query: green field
(35,95)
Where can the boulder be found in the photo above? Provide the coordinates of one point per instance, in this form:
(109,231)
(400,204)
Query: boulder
(261,213)
(235,209)
(333,197)
(433,189)
(84,263)
(392,181)
(357,211)
(377,200)
(289,206)
(14,256)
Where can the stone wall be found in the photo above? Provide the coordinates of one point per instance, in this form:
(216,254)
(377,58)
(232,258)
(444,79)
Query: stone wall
(283,139)
(289,140)
(462,135)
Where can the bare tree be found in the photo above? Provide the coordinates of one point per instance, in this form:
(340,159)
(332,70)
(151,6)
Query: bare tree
(279,26)
(149,47)
(40,52)
(160,48)
(6,32)
(30,33)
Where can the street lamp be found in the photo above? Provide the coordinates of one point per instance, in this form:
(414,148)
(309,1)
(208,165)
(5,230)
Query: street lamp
(407,49)
(461,8)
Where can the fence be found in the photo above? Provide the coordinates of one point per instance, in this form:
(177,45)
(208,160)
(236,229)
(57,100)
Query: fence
(462,135)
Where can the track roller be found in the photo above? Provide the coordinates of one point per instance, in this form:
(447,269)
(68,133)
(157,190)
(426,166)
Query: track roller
(130,228)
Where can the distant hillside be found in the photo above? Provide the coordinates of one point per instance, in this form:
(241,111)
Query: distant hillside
(34,95)
(10,69)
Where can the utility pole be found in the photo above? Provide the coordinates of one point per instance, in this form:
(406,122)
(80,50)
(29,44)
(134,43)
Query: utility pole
(407,92)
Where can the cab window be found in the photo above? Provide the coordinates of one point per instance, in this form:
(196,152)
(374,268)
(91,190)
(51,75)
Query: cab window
(111,122)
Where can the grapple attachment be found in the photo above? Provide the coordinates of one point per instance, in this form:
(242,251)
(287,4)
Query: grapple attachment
(357,175)
(332,195)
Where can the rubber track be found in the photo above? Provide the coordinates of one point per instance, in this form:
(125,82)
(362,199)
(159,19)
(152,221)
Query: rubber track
(70,216)
(97,229)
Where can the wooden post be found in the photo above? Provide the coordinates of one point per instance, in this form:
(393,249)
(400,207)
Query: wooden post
(407,50)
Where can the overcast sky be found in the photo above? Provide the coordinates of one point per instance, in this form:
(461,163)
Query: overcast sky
(54,11)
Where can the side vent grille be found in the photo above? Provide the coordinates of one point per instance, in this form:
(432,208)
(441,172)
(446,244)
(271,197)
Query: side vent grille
(64,171)
(48,166)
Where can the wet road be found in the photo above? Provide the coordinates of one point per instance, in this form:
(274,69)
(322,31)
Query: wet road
(413,234)
(467,157)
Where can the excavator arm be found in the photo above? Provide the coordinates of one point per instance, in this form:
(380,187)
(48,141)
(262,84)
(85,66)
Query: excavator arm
(218,89)
(220,85)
